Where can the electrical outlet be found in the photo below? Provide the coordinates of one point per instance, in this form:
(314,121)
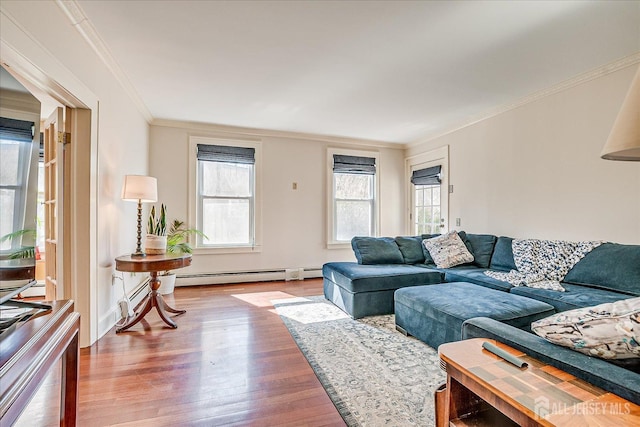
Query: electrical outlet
(124,308)
(458,222)
(294,274)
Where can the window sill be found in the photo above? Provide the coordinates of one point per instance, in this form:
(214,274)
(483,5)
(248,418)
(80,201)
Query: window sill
(339,245)
(227,250)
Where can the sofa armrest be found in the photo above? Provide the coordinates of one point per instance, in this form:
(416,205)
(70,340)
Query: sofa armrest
(623,382)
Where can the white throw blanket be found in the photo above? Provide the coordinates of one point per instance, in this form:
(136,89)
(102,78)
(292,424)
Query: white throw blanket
(543,264)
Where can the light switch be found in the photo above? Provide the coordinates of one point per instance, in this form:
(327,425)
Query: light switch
(294,186)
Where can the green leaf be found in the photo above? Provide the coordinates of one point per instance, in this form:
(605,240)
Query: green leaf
(27,232)
(24,252)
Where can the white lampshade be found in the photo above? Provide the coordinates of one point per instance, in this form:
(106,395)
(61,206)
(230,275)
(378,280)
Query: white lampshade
(140,188)
(624,139)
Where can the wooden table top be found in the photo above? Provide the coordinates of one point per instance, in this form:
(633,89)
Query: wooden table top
(152,263)
(541,391)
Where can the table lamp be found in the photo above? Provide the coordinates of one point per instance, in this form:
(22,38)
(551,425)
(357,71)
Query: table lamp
(138,188)
(624,139)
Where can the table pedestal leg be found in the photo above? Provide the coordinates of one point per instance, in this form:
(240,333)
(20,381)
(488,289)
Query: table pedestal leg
(153,299)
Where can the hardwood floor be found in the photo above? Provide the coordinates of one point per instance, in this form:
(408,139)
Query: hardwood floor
(231,362)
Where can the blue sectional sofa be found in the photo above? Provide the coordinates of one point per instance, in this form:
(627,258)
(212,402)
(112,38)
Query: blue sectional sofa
(608,273)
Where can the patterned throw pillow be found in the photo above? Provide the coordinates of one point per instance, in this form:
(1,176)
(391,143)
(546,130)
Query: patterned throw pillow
(608,331)
(448,250)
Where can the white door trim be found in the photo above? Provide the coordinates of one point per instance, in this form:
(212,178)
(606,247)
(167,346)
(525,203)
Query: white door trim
(31,63)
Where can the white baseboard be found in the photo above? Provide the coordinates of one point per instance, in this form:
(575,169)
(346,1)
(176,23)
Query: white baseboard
(242,277)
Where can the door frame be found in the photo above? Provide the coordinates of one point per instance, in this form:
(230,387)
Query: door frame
(43,75)
(438,156)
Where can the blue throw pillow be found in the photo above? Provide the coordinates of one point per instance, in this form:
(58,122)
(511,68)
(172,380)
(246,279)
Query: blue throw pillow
(376,250)
(411,249)
(481,246)
(502,258)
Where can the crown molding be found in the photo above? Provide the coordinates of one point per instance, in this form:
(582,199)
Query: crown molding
(267,133)
(601,71)
(83,25)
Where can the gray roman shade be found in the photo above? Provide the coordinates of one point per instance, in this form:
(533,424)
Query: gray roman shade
(354,164)
(428,176)
(16,130)
(227,154)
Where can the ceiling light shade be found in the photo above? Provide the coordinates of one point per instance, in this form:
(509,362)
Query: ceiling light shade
(624,139)
(140,188)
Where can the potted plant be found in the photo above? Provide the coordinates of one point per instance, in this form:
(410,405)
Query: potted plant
(23,251)
(177,243)
(156,241)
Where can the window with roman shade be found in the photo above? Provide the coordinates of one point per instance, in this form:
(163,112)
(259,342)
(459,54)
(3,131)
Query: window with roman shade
(226,195)
(353,201)
(16,144)
(427,215)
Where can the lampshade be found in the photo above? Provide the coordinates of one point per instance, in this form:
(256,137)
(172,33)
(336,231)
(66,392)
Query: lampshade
(624,139)
(140,188)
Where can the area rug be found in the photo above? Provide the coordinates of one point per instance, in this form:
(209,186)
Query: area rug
(374,375)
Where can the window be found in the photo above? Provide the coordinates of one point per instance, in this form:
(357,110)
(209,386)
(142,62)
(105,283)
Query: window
(426,210)
(353,203)
(16,137)
(226,194)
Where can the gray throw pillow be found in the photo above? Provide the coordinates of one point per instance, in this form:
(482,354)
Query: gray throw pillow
(448,250)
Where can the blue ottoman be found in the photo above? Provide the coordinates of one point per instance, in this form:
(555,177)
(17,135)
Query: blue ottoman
(435,313)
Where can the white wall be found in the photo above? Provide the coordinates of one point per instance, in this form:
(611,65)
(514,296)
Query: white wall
(44,36)
(535,171)
(294,221)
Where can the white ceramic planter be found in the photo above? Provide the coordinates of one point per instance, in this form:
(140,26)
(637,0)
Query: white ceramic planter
(155,245)
(167,283)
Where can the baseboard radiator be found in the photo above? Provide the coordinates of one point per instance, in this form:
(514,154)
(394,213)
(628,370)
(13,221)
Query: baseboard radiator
(247,276)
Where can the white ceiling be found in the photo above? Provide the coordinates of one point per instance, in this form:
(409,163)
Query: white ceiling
(382,70)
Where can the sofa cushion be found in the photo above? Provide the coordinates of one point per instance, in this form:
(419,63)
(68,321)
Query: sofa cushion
(376,250)
(368,278)
(448,250)
(482,246)
(502,259)
(610,266)
(598,372)
(427,256)
(574,296)
(474,275)
(411,249)
(607,331)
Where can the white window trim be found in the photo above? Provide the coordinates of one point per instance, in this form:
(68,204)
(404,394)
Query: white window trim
(331,242)
(438,156)
(192,209)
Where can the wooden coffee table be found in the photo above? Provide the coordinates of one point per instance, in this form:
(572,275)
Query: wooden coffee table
(484,390)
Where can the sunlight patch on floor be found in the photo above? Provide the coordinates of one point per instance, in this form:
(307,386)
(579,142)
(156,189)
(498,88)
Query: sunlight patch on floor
(311,312)
(263,299)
